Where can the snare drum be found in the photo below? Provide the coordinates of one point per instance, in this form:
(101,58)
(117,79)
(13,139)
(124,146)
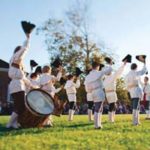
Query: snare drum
(39,105)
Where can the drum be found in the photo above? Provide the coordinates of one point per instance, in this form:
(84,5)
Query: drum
(39,105)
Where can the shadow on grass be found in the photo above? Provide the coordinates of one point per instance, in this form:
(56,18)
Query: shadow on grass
(79,125)
(30,131)
(13,132)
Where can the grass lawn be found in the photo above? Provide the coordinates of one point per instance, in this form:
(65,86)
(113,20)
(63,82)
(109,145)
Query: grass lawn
(78,135)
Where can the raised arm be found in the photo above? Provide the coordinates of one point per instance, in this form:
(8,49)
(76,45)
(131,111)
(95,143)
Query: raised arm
(20,54)
(58,90)
(59,75)
(142,72)
(118,73)
(105,71)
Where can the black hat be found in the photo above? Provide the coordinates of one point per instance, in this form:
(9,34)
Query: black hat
(57,63)
(141,58)
(101,66)
(62,81)
(33,63)
(38,69)
(78,71)
(27,26)
(108,60)
(128,58)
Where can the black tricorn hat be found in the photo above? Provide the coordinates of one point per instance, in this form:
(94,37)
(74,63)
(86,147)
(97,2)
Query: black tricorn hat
(127,58)
(57,63)
(38,69)
(101,66)
(78,71)
(33,63)
(27,26)
(62,80)
(141,58)
(108,60)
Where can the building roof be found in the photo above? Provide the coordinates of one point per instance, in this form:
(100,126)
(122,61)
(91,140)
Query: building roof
(3,64)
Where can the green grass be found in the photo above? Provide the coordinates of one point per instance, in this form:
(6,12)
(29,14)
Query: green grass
(78,135)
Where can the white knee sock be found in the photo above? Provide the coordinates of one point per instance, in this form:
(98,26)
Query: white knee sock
(13,120)
(71,113)
(134,116)
(113,116)
(97,119)
(109,116)
(138,117)
(90,116)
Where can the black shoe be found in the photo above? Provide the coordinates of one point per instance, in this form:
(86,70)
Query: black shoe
(98,128)
(47,126)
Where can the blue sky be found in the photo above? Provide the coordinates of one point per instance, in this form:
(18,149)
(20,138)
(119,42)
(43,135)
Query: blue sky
(124,25)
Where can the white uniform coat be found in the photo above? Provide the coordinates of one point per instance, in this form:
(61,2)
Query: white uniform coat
(146,90)
(35,83)
(54,90)
(46,81)
(133,82)
(71,91)
(110,85)
(94,84)
(17,76)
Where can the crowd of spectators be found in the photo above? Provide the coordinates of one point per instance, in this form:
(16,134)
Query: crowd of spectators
(121,108)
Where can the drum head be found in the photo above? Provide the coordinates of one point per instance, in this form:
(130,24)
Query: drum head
(40,102)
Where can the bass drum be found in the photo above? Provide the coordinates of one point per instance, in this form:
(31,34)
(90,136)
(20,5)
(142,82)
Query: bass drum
(39,105)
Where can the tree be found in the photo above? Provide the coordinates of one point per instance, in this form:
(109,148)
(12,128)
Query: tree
(122,93)
(70,37)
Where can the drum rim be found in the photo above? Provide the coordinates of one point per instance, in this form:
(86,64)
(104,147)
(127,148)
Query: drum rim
(31,109)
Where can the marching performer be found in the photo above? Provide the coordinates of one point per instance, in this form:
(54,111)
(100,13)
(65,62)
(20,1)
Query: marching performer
(47,82)
(133,87)
(90,99)
(71,91)
(34,81)
(94,85)
(18,82)
(146,96)
(110,90)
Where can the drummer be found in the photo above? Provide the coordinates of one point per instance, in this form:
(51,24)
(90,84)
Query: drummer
(34,81)
(18,82)
(47,81)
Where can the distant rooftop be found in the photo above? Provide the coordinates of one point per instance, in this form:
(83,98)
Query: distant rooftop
(4,64)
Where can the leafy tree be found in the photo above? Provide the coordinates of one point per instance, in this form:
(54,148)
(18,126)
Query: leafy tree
(122,93)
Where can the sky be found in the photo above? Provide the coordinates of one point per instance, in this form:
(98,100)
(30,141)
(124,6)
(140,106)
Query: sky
(123,25)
